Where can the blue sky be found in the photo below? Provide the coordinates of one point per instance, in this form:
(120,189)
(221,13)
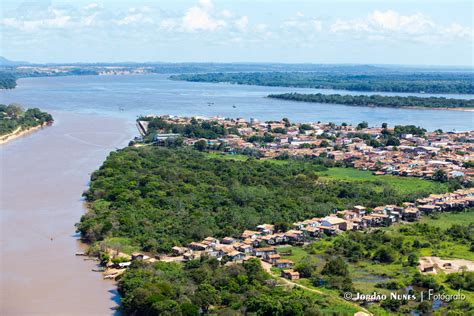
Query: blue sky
(295,31)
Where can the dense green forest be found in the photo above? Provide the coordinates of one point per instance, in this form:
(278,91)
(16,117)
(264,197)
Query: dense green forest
(7,81)
(205,287)
(13,116)
(376,100)
(162,197)
(429,82)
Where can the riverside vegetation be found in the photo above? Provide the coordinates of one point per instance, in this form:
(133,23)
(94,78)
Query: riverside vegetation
(162,197)
(14,117)
(363,80)
(7,81)
(376,100)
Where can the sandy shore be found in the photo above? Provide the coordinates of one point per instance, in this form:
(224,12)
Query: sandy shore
(19,132)
(444,109)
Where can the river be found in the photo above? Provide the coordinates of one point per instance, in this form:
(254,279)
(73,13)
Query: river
(42,177)
(145,94)
(43,174)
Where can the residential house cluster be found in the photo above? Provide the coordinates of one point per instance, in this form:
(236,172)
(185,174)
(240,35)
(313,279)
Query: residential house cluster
(261,243)
(415,156)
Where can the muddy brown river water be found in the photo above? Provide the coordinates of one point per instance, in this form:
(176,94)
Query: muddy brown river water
(42,177)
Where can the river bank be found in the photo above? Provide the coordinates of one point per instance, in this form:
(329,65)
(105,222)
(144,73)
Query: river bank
(19,132)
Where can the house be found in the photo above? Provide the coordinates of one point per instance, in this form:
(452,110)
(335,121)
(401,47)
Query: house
(359,210)
(213,252)
(266,229)
(138,256)
(272,258)
(263,252)
(427,268)
(290,274)
(334,222)
(236,255)
(228,240)
(410,214)
(428,209)
(383,219)
(178,251)
(283,263)
(269,239)
(198,246)
(243,248)
(328,230)
(191,255)
(311,231)
(210,241)
(294,235)
(249,234)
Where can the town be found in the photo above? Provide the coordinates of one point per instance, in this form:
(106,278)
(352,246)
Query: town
(403,150)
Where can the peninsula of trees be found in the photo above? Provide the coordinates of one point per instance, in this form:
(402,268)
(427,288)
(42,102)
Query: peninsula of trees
(377,100)
(13,118)
(163,197)
(364,80)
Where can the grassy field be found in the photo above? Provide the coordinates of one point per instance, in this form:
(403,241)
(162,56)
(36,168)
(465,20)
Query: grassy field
(444,249)
(401,184)
(445,220)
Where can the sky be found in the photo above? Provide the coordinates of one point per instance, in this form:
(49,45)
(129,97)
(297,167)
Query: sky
(426,32)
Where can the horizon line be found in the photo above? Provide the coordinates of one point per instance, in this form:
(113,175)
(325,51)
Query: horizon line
(231,62)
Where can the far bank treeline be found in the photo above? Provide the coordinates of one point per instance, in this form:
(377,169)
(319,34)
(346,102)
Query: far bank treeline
(9,76)
(7,81)
(13,116)
(377,100)
(384,80)
(163,197)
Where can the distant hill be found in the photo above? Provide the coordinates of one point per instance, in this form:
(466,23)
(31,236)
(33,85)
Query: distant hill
(6,62)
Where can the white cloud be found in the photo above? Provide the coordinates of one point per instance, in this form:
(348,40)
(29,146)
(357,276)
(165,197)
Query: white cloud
(390,24)
(129,19)
(55,19)
(458,30)
(318,25)
(261,32)
(226,14)
(242,24)
(206,4)
(301,24)
(393,21)
(141,15)
(91,6)
(202,17)
(88,20)
(168,24)
(197,18)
